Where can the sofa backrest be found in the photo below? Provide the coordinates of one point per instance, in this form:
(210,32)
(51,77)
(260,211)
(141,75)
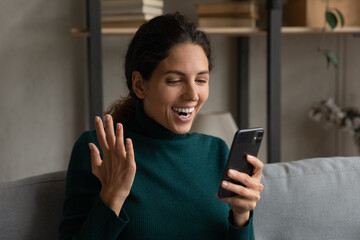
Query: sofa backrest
(306,199)
(31,208)
(310,199)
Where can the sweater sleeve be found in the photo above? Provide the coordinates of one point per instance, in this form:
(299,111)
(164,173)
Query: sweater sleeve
(243,233)
(86,216)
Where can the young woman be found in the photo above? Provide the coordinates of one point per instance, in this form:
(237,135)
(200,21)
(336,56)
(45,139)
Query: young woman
(143,175)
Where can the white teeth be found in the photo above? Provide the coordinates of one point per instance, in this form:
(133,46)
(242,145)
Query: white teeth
(184,116)
(184,110)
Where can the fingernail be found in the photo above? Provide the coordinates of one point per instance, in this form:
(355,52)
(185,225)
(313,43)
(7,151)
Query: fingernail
(224,184)
(250,157)
(231,172)
(89,146)
(97,118)
(118,126)
(107,117)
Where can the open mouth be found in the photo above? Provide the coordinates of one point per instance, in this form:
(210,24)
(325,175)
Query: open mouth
(183,112)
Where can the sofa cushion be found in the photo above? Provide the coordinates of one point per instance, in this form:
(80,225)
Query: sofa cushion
(31,208)
(310,199)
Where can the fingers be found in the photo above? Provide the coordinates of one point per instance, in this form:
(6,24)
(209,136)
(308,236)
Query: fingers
(119,141)
(247,196)
(100,133)
(240,203)
(245,179)
(243,192)
(95,159)
(111,143)
(130,157)
(109,129)
(106,136)
(252,185)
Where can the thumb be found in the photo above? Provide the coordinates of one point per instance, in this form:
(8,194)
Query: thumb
(258,166)
(95,159)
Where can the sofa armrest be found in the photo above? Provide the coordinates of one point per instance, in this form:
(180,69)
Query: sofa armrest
(31,208)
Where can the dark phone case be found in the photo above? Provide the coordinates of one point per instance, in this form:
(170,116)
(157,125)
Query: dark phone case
(244,143)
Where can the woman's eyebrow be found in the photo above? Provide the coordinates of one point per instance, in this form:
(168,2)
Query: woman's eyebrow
(203,72)
(175,72)
(183,74)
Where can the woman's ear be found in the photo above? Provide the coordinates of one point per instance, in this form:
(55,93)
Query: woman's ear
(138,84)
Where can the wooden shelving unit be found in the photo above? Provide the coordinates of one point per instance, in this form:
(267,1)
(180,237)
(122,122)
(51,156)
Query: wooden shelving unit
(231,31)
(94,33)
(308,30)
(213,31)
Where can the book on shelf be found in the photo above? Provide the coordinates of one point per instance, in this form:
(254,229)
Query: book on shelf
(133,9)
(232,8)
(127,17)
(125,3)
(129,13)
(234,15)
(228,14)
(227,22)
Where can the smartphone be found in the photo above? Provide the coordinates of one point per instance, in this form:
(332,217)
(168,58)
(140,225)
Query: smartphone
(246,141)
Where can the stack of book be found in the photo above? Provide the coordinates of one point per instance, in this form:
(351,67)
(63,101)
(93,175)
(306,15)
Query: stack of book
(129,13)
(228,14)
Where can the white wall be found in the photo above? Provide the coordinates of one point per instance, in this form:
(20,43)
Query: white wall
(43,93)
(306,79)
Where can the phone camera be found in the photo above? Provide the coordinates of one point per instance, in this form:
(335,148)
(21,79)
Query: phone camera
(258,137)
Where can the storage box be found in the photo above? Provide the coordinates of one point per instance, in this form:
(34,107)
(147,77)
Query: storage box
(311,13)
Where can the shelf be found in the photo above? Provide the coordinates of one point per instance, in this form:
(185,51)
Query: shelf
(228,31)
(231,31)
(105,31)
(308,30)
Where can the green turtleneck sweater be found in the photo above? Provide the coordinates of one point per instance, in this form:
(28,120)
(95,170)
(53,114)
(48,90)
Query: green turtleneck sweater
(172,197)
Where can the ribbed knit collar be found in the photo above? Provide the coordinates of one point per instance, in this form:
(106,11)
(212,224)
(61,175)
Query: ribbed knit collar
(144,125)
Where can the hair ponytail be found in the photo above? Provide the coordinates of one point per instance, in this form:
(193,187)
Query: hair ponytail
(123,110)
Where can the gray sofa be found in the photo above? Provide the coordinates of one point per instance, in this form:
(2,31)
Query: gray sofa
(306,199)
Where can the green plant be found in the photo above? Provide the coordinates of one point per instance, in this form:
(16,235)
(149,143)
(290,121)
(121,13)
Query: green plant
(333,18)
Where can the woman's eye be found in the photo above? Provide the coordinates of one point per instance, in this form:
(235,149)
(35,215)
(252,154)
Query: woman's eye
(173,81)
(201,81)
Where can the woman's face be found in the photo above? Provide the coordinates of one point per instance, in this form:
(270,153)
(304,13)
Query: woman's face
(178,88)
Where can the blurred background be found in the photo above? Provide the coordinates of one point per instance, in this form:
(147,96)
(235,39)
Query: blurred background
(44,91)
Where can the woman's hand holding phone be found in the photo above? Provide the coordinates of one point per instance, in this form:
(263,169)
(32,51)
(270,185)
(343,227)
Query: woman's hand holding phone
(248,195)
(116,171)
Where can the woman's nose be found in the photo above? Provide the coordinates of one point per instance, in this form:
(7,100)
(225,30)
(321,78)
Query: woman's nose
(190,92)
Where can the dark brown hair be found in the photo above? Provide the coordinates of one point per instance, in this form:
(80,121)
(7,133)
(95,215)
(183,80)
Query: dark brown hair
(150,45)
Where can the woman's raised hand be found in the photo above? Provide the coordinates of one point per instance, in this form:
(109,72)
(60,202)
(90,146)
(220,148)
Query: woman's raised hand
(247,195)
(116,171)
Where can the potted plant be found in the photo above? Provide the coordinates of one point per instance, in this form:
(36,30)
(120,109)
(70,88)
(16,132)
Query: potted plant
(334,18)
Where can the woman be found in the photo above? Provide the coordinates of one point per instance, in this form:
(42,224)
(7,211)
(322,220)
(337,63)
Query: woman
(148,177)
